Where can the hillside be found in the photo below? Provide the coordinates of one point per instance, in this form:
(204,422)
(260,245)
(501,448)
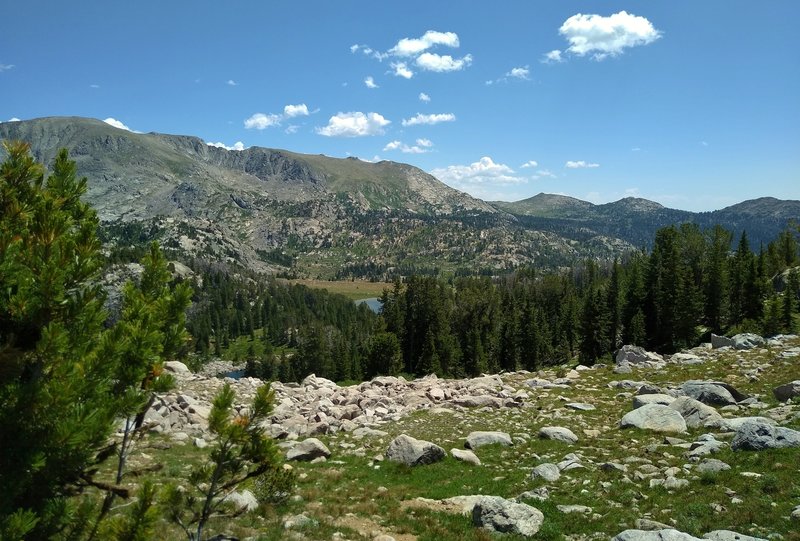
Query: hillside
(320,217)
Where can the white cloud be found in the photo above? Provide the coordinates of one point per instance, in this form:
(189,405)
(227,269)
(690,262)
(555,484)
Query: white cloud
(238,145)
(580,164)
(636,149)
(354,47)
(414,46)
(260,121)
(354,124)
(424,97)
(231,82)
(370,82)
(291,111)
(607,36)
(5,67)
(442,63)
(552,57)
(519,73)
(704,143)
(401,70)
(292,128)
(429,119)
(530,163)
(94,86)
(544,173)
(118,124)
(421,147)
(14,119)
(484,171)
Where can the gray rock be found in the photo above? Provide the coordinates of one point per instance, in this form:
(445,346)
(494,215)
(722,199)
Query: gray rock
(747,341)
(635,355)
(654,535)
(789,390)
(796,513)
(727,535)
(650,525)
(756,437)
(244,500)
(308,450)
(735,423)
(580,406)
(721,341)
(644,399)
(567,509)
(547,471)
(413,452)
(695,413)
(712,466)
(465,456)
(479,439)
(654,417)
(177,367)
(479,401)
(497,514)
(712,392)
(298,521)
(558,433)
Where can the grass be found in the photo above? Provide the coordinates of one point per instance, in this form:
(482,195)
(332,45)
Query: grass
(356,492)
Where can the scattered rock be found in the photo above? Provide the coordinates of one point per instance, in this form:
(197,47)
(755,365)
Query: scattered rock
(721,341)
(747,341)
(497,514)
(580,406)
(547,471)
(309,449)
(757,437)
(479,439)
(787,391)
(244,500)
(712,392)
(566,509)
(298,521)
(657,535)
(635,355)
(177,367)
(712,466)
(655,398)
(413,452)
(695,413)
(727,535)
(654,417)
(465,456)
(558,433)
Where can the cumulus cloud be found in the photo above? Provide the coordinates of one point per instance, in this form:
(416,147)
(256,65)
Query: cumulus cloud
(231,82)
(424,97)
(484,171)
(354,124)
(260,121)
(580,164)
(552,57)
(442,63)
(544,173)
(291,111)
(238,145)
(5,67)
(435,118)
(118,124)
(530,163)
(370,82)
(401,70)
(415,46)
(606,36)
(421,147)
(519,73)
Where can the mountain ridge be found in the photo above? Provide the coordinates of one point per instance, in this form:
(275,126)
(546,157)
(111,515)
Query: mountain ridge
(270,209)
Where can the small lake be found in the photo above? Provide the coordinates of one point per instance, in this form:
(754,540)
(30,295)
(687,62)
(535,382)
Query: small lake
(374,304)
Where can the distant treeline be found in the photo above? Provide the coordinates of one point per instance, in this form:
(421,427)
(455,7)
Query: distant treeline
(689,285)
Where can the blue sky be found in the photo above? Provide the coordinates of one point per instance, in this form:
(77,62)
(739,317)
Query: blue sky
(693,104)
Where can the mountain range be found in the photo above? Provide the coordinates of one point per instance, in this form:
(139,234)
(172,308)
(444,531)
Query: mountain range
(317,216)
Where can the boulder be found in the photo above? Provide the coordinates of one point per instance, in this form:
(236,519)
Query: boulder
(789,390)
(735,423)
(479,439)
(756,437)
(656,417)
(465,456)
(654,535)
(695,413)
(721,341)
(479,401)
(656,398)
(636,355)
(413,452)
(243,501)
(558,433)
(308,450)
(747,341)
(712,466)
(547,471)
(497,514)
(177,367)
(712,392)
(579,406)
